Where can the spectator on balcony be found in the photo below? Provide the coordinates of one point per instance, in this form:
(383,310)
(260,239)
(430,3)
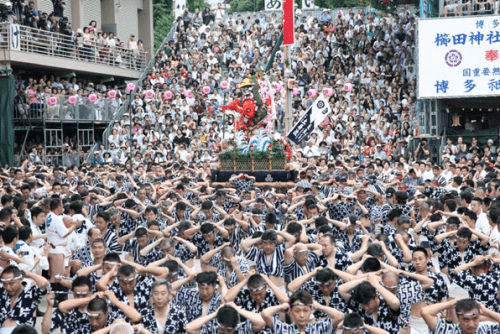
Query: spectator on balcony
(87,44)
(483,7)
(31,16)
(452,6)
(12,17)
(133,51)
(59,7)
(18,9)
(111,40)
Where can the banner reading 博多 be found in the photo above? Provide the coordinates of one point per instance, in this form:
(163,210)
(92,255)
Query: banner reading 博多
(459,59)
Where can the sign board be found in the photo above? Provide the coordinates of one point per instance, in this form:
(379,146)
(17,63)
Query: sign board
(15,37)
(273,5)
(459,57)
(314,115)
(308,4)
(179,8)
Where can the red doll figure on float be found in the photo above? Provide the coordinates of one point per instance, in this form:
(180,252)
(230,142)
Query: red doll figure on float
(246,107)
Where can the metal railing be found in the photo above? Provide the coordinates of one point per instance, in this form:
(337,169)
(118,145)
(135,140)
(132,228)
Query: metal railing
(36,107)
(124,108)
(456,8)
(15,37)
(67,159)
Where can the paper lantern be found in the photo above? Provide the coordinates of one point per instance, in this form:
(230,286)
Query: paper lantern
(206,90)
(52,100)
(149,94)
(167,95)
(224,84)
(328,91)
(112,94)
(92,98)
(312,92)
(72,99)
(188,94)
(348,87)
(130,87)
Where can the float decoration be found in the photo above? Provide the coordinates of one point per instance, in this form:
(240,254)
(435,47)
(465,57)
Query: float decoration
(254,146)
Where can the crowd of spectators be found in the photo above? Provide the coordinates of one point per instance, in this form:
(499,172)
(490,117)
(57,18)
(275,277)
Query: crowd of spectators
(373,238)
(31,104)
(372,51)
(468,7)
(89,44)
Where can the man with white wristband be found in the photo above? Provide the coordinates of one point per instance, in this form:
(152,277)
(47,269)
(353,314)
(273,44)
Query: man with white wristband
(57,233)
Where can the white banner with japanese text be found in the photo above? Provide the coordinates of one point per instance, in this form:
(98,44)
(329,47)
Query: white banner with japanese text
(314,115)
(459,57)
(273,5)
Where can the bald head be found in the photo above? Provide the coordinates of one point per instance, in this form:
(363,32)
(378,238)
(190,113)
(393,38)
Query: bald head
(390,279)
(300,247)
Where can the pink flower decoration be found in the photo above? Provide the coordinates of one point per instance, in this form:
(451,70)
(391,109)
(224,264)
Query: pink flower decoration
(328,92)
(188,94)
(326,121)
(167,95)
(92,98)
(52,100)
(206,90)
(224,84)
(295,91)
(130,87)
(278,87)
(149,94)
(112,94)
(72,99)
(312,92)
(348,87)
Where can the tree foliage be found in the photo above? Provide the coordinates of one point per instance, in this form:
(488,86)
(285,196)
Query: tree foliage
(163,19)
(246,5)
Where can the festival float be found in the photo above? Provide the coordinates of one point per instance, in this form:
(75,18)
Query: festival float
(255,148)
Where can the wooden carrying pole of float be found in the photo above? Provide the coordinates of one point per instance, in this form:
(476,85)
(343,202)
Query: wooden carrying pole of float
(288,184)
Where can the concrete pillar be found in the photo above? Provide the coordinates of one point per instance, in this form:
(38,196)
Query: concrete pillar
(145,17)
(77,14)
(108,16)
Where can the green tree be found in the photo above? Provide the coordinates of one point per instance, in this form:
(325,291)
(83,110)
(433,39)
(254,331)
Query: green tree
(246,5)
(163,19)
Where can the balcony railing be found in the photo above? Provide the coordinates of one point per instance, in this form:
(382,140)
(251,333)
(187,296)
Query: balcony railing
(54,158)
(15,37)
(36,107)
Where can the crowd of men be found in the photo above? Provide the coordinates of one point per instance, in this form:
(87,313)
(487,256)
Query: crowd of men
(372,238)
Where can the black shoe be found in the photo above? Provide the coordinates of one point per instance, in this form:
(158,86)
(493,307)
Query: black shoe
(39,313)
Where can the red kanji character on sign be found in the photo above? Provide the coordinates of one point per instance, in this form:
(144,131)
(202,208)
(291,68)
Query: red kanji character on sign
(491,55)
